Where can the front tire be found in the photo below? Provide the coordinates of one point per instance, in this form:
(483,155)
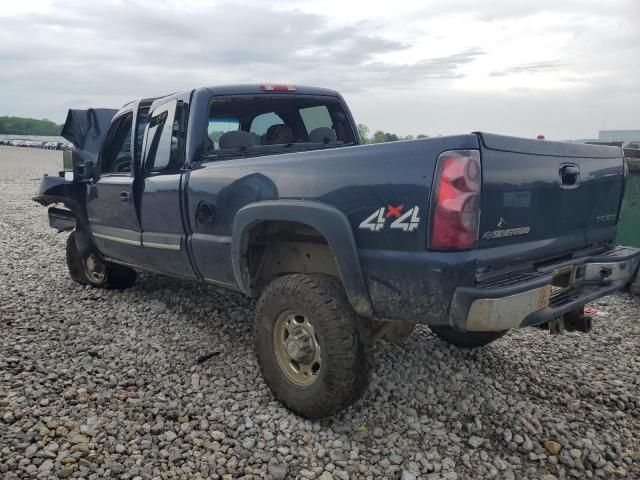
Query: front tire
(466,339)
(313,349)
(91,269)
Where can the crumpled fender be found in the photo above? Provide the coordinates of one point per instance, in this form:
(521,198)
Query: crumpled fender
(58,190)
(54,190)
(86,130)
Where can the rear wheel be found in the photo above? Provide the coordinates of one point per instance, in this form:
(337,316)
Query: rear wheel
(466,339)
(312,348)
(91,269)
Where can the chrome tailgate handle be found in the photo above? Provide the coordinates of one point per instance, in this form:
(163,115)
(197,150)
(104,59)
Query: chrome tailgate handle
(569,175)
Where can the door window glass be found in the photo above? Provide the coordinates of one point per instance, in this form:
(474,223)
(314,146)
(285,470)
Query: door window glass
(164,139)
(116,155)
(141,125)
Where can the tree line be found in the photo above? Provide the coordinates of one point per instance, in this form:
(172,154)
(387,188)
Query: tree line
(381,137)
(28,126)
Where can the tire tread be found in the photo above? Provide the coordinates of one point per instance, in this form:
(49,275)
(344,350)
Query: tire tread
(118,276)
(346,335)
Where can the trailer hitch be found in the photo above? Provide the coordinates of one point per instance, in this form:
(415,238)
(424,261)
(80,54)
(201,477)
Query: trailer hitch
(605,273)
(574,321)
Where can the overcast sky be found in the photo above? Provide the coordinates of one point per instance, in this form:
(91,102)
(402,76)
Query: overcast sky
(565,68)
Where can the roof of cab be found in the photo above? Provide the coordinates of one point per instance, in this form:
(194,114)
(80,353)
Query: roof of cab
(240,89)
(248,89)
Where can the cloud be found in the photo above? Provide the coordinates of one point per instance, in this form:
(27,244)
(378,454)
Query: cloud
(527,68)
(510,9)
(121,40)
(89,49)
(447,56)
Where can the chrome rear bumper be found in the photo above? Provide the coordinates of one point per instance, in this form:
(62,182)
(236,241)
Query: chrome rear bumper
(537,297)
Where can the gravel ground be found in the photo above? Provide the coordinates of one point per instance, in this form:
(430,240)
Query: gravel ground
(104,384)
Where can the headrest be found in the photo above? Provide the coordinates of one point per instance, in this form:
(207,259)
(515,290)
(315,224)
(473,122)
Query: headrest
(322,135)
(236,139)
(279,133)
(257,139)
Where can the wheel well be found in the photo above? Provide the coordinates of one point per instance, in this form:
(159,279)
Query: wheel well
(277,248)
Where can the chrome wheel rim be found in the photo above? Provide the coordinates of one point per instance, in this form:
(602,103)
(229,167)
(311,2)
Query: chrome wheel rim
(95,269)
(296,347)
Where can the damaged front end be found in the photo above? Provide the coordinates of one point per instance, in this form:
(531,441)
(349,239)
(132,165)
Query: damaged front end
(85,129)
(56,190)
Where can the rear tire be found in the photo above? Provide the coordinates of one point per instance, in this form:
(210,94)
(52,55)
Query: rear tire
(466,339)
(92,270)
(313,349)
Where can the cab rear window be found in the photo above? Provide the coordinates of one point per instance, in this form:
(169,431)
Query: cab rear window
(315,117)
(275,123)
(218,126)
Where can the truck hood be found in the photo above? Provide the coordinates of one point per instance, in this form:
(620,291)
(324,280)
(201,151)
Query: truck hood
(86,129)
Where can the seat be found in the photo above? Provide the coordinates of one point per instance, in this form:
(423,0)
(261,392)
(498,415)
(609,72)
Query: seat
(236,139)
(322,135)
(257,139)
(279,133)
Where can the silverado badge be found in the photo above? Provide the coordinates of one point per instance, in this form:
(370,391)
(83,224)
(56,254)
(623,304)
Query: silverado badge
(508,232)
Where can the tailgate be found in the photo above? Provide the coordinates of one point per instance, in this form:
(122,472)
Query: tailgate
(540,190)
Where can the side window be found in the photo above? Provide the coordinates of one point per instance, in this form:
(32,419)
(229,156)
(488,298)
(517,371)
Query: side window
(164,138)
(143,120)
(316,117)
(116,154)
(261,123)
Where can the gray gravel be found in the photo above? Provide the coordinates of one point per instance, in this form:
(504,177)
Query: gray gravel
(103,384)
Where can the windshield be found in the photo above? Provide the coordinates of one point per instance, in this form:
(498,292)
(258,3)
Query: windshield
(245,126)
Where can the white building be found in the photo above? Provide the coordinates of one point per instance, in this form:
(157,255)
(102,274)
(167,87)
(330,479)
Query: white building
(621,138)
(619,135)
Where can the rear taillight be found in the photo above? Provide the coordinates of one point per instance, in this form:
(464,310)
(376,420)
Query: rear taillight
(456,201)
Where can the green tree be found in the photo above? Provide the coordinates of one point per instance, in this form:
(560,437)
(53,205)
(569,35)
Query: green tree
(28,126)
(378,137)
(363,132)
(381,137)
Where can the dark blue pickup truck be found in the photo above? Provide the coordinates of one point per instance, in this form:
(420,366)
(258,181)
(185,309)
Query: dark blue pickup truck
(266,189)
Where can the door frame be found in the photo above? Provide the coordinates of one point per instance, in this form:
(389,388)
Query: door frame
(164,241)
(105,236)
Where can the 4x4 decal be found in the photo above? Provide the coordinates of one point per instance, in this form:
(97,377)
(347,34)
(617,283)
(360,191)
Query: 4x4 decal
(407,221)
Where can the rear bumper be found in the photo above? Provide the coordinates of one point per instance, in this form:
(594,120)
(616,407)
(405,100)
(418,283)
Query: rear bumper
(534,298)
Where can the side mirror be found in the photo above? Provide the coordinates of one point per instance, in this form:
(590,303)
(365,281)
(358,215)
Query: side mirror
(86,173)
(76,169)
